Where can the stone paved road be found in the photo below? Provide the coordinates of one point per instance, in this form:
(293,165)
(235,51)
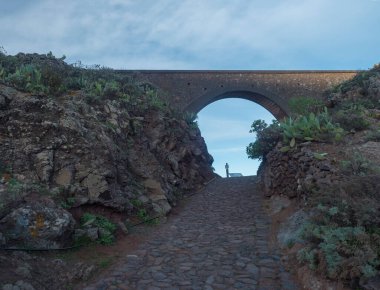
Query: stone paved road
(219,240)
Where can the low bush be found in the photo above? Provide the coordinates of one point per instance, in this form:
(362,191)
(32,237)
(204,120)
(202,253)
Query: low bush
(266,139)
(352,117)
(362,80)
(357,164)
(351,121)
(363,88)
(304,106)
(106,227)
(340,245)
(373,135)
(47,75)
(54,79)
(343,235)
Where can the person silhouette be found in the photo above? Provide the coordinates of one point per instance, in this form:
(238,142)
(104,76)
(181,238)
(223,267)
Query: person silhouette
(227,167)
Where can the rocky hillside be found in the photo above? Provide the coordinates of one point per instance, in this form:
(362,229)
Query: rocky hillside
(76,143)
(322,176)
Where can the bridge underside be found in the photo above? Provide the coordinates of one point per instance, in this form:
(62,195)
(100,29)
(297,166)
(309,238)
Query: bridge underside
(200,103)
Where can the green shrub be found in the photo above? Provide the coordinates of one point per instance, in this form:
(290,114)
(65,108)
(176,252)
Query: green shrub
(358,80)
(27,78)
(343,233)
(309,256)
(305,105)
(82,241)
(8,63)
(137,203)
(54,79)
(352,117)
(45,74)
(362,89)
(106,227)
(154,100)
(68,203)
(357,164)
(112,90)
(142,214)
(350,121)
(191,119)
(338,246)
(266,139)
(373,135)
(341,251)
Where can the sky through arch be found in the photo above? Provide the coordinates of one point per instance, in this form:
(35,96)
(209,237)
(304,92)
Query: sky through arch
(225,126)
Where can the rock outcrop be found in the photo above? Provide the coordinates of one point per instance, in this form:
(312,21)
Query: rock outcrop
(107,153)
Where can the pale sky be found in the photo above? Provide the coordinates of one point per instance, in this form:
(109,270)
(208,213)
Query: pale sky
(199,34)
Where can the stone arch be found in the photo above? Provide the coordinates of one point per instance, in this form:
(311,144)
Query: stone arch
(276,106)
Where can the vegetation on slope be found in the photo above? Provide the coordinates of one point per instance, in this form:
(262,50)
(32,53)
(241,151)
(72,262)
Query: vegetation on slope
(342,235)
(51,76)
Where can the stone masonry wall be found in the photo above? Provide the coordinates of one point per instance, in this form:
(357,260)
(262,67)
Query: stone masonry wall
(295,172)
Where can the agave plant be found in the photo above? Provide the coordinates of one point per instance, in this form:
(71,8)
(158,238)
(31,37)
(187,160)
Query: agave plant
(28,78)
(310,127)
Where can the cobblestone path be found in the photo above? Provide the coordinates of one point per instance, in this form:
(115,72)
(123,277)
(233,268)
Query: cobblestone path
(219,240)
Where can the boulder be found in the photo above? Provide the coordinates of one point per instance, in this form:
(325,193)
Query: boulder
(157,195)
(40,224)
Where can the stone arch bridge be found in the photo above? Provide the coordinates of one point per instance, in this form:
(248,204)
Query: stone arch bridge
(191,91)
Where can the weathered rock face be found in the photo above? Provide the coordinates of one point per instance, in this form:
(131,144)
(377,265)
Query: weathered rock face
(294,173)
(108,154)
(310,281)
(289,231)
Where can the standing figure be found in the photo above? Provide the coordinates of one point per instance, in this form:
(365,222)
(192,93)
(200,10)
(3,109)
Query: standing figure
(227,167)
